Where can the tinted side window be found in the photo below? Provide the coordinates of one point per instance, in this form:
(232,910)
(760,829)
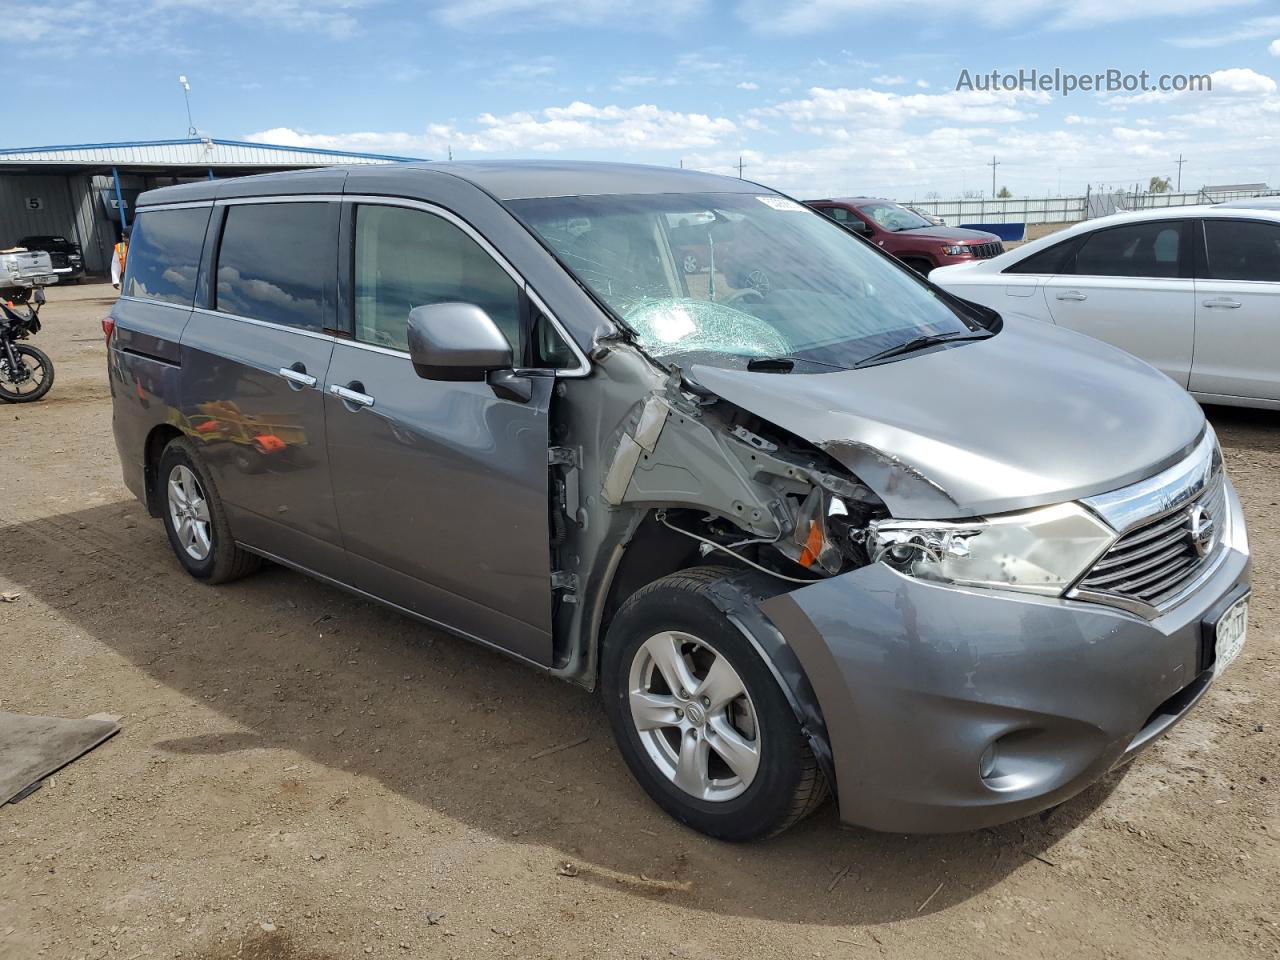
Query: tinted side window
(164,254)
(1138,250)
(1055,259)
(276,260)
(1243,250)
(409,258)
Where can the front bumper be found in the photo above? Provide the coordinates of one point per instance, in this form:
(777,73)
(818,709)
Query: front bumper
(915,680)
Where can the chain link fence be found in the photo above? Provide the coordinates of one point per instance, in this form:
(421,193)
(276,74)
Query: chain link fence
(1033,210)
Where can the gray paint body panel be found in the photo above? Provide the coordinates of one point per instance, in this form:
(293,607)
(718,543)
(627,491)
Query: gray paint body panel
(230,375)
(1032,416)
(915,679)
(446,485)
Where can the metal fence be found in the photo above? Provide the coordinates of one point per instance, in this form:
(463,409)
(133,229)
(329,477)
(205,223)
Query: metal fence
(1071,209)
(1014,210)
(1148,201)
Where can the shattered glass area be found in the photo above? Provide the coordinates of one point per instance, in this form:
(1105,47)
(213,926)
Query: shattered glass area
(683,325)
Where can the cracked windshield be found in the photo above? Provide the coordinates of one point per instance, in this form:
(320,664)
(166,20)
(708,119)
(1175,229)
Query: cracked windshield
(728,278)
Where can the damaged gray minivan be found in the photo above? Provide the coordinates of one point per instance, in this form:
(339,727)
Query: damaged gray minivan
(810,524)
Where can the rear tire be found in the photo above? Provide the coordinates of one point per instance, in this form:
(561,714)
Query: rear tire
(749,771)
(196,520)
(42,370)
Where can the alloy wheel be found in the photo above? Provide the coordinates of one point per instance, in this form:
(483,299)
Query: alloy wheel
(189,513)
(694,716)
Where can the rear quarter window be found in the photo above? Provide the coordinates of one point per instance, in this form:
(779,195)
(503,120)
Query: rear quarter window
(164,254)
(1052,260)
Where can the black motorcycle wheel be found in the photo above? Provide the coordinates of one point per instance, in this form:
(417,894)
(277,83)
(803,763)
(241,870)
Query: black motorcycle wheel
(34,384)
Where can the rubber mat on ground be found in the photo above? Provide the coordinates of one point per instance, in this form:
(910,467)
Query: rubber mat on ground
(31,748)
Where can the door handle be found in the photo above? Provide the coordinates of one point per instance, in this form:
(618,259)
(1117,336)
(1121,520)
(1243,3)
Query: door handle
(1072,295)
(1223,303)
(297,376)
(355,398)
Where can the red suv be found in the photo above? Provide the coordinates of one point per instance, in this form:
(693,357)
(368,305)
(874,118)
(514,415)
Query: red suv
(907,235)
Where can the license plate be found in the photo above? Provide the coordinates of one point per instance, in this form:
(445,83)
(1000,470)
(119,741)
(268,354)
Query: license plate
(46,279)
(1229,634)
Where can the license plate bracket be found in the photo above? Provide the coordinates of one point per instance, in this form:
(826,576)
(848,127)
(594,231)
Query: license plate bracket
(1229,632)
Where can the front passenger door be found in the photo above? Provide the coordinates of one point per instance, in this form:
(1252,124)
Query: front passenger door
(441,487)
(1131,286)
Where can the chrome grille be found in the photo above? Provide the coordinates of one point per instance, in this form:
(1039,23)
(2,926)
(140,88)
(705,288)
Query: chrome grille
(985,251)
(1152,562)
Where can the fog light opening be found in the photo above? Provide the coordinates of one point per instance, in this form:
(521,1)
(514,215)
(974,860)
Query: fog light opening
(1019,760)
(987,762)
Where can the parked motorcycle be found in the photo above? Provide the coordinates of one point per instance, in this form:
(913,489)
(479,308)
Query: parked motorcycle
(26,374)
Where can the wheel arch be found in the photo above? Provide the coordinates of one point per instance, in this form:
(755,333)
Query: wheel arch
(153,448)
(649,556)
(738,598)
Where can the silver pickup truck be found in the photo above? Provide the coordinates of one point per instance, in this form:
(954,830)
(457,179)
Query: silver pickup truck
(21,270)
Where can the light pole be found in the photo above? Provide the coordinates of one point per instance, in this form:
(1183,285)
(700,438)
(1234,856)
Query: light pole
(186,91)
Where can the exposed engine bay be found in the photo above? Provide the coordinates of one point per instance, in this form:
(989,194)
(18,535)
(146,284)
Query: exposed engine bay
(740,487)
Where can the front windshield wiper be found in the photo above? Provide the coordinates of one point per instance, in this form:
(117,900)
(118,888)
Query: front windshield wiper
(919,343)
(786,364)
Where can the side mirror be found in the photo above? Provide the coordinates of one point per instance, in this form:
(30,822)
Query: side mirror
(459,341)
(860,227)
(456,341)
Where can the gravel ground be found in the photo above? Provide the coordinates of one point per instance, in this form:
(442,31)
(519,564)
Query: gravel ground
(302,775)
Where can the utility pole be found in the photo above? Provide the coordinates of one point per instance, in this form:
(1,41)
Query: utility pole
(739,166)
(186,97)
(1180,163)
(993,164)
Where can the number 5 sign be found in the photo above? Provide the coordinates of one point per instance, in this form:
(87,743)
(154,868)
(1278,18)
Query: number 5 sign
(35,203)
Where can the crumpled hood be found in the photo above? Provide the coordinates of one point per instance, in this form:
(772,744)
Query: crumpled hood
(1032,416)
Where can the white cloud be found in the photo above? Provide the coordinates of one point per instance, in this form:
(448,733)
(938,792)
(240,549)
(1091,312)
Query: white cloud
(814,16)
(578,126)
(1274,49)
(863,105)
(523,73)
(33,22)
(491,15)
(889,80)
(922,84)
(749,85)
(1236,82)
(1248,29)
(337,18)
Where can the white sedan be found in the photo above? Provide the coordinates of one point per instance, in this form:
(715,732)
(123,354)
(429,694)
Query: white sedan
(1194,291)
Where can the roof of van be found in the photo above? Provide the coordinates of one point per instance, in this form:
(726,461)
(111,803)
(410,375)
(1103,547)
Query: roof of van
(503,179)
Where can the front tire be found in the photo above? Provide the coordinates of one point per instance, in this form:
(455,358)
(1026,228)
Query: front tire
(37,381)
(196,520)
(699,717)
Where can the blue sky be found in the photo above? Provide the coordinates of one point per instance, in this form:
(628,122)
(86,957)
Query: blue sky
(818,98)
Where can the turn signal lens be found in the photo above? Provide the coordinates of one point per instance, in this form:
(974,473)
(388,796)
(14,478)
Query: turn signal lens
(108,327)
(812,546)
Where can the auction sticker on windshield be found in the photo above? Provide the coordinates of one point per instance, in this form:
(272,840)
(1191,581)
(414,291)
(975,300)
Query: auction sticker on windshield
(781,203)
(1229,634)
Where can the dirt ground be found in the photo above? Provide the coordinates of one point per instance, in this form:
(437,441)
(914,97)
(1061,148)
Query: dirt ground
(302,775)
